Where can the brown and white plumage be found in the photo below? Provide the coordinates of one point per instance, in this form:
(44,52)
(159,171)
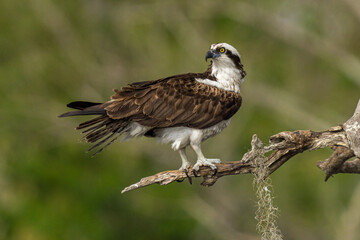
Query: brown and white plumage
(183,109)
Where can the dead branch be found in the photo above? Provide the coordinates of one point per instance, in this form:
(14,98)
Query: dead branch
(343,139)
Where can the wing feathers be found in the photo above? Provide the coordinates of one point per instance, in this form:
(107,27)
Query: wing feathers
(174,101)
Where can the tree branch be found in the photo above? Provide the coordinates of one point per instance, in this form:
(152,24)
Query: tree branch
(343,139)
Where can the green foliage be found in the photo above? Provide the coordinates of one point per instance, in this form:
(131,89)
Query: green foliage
(302,60)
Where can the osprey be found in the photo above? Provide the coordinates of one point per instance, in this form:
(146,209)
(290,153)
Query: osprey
(184,109)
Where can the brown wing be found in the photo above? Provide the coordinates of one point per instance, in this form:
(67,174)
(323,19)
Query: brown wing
(174,101)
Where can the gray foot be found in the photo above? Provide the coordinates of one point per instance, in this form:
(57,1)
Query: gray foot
(184,166)
(205,162)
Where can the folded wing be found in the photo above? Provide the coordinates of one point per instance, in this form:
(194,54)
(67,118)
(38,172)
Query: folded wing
(174,101)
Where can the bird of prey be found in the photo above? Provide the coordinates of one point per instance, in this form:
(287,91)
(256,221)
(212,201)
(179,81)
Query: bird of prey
(183,109)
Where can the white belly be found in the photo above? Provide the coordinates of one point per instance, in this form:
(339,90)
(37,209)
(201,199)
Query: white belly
(181,137)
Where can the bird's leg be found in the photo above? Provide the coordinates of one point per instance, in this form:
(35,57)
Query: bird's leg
(202,161)
(185,164)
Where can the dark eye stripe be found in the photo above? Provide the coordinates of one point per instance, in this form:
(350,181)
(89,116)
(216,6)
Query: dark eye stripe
(236,60)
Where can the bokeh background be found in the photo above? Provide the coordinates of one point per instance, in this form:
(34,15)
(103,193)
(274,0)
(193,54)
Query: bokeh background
(303,63)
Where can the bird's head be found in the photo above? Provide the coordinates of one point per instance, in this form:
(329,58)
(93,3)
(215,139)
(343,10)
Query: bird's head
(225,56)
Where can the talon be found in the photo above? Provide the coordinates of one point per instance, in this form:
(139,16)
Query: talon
(187,175)
(190,180)
(186,172)
(215,172)
(194,172)
(180,180)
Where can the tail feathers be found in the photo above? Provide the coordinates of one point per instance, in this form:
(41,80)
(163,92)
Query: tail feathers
(81,105)
(92,122)
(102,131)
(80,113)
(85,108)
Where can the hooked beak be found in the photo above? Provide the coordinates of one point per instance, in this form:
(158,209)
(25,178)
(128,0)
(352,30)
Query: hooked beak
(211,54)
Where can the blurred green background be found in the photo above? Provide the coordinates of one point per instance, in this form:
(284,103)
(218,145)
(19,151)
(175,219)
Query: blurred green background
(303,65)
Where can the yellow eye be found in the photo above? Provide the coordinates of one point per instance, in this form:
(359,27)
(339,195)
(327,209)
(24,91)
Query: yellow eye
(222,50)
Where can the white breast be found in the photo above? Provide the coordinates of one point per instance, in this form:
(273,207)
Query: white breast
(228,85)
(227,78)
(180,137)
